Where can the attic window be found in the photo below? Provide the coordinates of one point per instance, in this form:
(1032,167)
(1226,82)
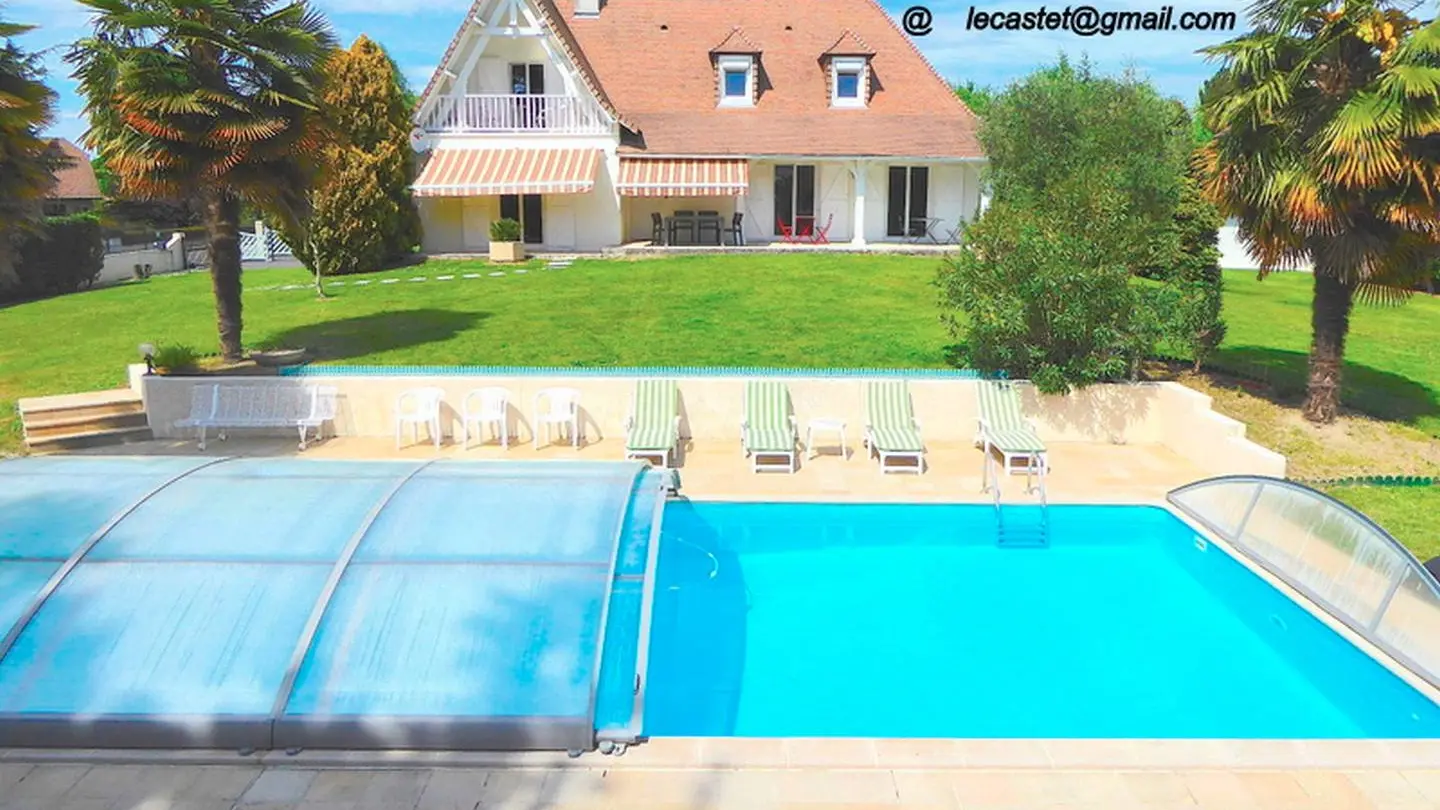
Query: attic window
(847,81)
(737,81)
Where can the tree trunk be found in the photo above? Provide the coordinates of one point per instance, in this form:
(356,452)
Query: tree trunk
(222,223)
(1330,320)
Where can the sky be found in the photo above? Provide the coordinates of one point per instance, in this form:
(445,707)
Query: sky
(416,32)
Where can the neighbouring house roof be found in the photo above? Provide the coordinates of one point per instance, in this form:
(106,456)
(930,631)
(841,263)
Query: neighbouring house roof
(76,180)
(653,60)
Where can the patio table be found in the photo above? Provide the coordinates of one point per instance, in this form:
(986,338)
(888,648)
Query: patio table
(693,225)
(927,228)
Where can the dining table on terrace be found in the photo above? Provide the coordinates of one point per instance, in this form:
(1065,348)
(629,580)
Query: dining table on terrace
(694,228)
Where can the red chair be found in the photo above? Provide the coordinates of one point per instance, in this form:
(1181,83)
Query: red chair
(821,236)
(786,235)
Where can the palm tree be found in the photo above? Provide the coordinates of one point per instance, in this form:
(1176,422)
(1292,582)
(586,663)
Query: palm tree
(208,99)
(1327,146)
(27,162)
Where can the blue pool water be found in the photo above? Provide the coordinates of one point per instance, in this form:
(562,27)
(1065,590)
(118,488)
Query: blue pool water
(909,621)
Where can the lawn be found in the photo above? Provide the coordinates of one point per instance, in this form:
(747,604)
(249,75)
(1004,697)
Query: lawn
(798,310)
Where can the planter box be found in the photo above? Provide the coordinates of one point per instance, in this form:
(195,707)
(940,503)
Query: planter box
(507,251)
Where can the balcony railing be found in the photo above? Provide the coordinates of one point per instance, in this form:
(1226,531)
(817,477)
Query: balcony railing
(560,115)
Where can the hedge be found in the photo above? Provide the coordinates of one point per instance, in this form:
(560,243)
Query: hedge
(61,256)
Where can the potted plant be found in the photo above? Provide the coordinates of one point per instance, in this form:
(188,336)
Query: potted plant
(177,359)
(505,244)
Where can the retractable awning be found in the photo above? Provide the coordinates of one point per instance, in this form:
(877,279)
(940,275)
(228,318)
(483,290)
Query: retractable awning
(683,177)
(484,172)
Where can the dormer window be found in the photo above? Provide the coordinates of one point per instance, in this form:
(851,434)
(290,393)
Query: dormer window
(737,81)
(847,81)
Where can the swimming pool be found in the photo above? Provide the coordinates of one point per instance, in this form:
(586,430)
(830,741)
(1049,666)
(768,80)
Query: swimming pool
(802,620)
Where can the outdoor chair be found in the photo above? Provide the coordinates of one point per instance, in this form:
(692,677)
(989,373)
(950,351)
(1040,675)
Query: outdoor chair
(562,408)
(416,407)
(821,235)
(786,235)
(657,228)
(737,229)
(653,427)
(682,221)
(768,430)
(483,407)
(1004,428)
(891,429)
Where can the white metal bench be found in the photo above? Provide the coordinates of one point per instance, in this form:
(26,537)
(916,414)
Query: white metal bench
(304,407)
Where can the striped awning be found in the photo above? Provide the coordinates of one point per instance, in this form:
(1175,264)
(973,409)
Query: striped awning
(683,177)
(482,172)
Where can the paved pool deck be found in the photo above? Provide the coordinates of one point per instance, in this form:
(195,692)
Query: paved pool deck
(761,774)
(1080,472)
(796,775)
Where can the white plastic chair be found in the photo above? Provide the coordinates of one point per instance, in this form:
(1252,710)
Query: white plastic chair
(564,409)
(486,406)
(416,407)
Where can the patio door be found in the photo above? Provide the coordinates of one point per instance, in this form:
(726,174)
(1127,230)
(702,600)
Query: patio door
(525,209)
(528,80)
(794,198)
(909,198)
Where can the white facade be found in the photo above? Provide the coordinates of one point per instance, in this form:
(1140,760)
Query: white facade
(508,84)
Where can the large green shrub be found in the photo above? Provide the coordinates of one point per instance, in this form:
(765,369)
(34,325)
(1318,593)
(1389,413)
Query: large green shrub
(362,216)
(63,255)
(1044,303)
(505,230)
(1101,155)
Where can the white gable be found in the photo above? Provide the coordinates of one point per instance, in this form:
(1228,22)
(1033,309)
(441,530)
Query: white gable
(500,43)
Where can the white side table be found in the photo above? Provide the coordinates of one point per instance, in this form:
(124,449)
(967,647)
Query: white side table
(836,426)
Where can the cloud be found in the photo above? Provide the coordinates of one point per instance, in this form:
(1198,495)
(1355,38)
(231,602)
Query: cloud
(418,75)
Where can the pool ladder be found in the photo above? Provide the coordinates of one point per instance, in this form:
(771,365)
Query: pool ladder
(1023,533)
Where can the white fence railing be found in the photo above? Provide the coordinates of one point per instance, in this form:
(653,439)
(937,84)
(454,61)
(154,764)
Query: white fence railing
(562,115)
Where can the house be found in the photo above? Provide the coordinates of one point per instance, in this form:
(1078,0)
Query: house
(76,189)
(584,120)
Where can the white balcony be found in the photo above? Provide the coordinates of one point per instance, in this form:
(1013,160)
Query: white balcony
(496,112)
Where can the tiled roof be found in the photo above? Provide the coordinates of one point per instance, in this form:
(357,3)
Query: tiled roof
(652,58)
(736,42)
(849,44)
(76,180)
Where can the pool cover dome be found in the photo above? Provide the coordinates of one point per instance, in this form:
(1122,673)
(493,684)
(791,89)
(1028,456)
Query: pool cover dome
(286,603)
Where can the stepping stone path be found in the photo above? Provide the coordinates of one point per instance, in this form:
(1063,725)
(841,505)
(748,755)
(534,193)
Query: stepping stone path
(559,264)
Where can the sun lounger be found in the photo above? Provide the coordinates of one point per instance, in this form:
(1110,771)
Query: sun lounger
(653,429)
(891,430)
(1004,428)
(768,430)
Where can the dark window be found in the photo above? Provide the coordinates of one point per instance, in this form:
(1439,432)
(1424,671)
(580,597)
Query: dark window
(895,213)
(528,80)
(795,198)
(736,83)
(527,211)
(909,195)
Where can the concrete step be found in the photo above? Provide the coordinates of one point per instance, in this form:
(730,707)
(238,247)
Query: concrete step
(73,421)
(80,441)
(95,403)
(46,426)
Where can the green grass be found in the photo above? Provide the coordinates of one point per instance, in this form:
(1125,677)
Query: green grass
(804,311)
(798,310)
(1391,370)
(1406,512)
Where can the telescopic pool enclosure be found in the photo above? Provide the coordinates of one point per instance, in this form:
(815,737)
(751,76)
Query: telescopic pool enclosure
(280,603)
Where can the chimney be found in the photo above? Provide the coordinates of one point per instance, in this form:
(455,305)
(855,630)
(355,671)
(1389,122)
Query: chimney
(587,8)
